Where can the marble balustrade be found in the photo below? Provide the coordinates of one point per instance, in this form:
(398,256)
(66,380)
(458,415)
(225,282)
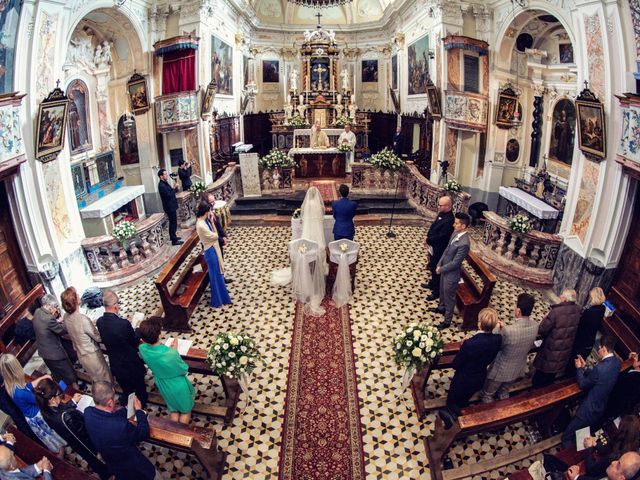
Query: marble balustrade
(377,180)
(530,256)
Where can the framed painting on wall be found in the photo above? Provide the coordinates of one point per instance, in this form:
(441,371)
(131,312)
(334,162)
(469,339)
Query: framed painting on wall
(565,53)
(369,71)
(138,94)
(51,126)
(418,66)
(270,71)
(79,119)
(563,131)
(207,99)
(433,96)
(592,135)
(222,65)
(394,72)
(506,108)
(9,17)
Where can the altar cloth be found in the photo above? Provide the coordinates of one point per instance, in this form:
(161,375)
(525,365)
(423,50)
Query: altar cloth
(528,202)
(110,203)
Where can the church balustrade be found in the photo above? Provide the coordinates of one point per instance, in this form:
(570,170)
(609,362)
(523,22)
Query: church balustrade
(530,256)
(177,111)
(112,262)
(377,180)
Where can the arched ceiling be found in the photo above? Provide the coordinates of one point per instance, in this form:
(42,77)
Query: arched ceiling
(283,12)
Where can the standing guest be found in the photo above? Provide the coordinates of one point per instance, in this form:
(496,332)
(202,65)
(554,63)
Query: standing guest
(85,337)
(116,438)
(23,395)
(626,393)
(599,381)
(558,330)
(169,204)
(397,142)
(449,267)
(471,362)
(9,467)
(48,332)
(588,327)
(343,211)
(511,361)
(349,138)
(122,343)
(68,422)
(438,237)
(169,371)
(222,235)
(185,170)
(212,255)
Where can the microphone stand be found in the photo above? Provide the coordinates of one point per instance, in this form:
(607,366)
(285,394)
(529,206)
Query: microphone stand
(390,233)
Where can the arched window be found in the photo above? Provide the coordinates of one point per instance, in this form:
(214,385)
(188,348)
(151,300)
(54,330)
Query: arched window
(79,119)
(128,140)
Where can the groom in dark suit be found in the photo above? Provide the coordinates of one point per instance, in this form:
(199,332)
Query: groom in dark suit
(449,267)
(343,211)
(438,238)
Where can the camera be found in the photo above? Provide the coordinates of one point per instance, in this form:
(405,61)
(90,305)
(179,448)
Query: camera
(173,175)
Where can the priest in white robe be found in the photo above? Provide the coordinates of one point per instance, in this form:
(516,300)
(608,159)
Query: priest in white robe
(319,139)
(349,138)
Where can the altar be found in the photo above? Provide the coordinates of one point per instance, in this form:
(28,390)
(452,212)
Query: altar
(545,216)
(125,203)
(313,162)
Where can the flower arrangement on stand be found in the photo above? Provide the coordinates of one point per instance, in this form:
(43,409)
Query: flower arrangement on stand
(298,121)
(452,186)
(197,188)
(276,159)
(342,120)
(387,160)
(520,224)
(124,231)
(233,355)
(345,147)
(416,347)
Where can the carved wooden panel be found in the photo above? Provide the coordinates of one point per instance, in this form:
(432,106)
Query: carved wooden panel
(13,278)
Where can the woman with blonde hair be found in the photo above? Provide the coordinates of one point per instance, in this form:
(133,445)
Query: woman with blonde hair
(24,397)
(590,322)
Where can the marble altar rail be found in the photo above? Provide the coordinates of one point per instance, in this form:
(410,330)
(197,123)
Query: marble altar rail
(377,180)
(530,257)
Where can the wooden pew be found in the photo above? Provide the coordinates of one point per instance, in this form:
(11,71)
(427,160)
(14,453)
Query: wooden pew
(543,405)
(471,297)
(7,324)
(30,452)
(180,288)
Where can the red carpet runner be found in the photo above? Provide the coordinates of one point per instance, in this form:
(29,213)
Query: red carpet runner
(321,435)
(327,190)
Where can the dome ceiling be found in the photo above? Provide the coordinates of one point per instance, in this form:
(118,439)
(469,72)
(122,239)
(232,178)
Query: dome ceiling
(282,12)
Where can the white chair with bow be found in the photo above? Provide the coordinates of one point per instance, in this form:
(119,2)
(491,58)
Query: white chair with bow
(344,253)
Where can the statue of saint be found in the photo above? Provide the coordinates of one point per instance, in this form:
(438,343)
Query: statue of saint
(288,110)
(344,75)
(293,80)
(352,111)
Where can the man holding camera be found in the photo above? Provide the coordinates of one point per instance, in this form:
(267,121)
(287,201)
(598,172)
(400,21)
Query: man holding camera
(169,204)
(185,171)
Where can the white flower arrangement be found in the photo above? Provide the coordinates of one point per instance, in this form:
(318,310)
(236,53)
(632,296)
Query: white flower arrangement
(344,247)
(197,188)
(297,122)
(342,120)
(124,231)
(302,248)
(276,159)
(345,147)
(520,224)
(452,186)
(417,346)
(233,355)
(387,159)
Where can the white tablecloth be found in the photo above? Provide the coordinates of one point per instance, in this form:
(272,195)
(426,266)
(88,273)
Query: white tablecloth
(528,202)
(110,203)
(318,151)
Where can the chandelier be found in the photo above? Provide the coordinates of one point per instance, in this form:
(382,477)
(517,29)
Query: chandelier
(320,3)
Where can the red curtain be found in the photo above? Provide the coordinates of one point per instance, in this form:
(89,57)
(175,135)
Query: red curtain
(179,71)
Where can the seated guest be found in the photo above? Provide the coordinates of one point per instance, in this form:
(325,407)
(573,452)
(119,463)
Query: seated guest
(319,139)
(169,371)
(588,327)
(8,440)
(9,467)
(511,361)
(23,395)
(85,337)
(48,331)
(627,468)
(626,393)
(115,437)
(599,381)
(472,360)
(68,422)
(9,407)
(122,343)
(558,330)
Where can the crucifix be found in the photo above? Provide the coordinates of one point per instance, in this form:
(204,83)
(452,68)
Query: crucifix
(318,15)
(320,70)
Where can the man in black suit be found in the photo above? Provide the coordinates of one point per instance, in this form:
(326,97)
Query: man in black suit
(438,238)
(397,142)
(169,204)
(122,343)
(626,393)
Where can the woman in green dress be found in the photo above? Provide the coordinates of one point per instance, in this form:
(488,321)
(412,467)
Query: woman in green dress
(169,371)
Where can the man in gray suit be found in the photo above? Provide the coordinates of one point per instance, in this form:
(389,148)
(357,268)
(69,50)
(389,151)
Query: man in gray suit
(449,267)
(510,363)
(9,470)
(48,332)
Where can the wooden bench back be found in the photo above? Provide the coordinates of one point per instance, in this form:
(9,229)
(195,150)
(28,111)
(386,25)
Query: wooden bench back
(29,303)
(482,270)
(626,339)
(176,263)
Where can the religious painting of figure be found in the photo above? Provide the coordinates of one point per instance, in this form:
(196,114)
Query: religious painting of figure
(513,150)
(563,132)
(369,71)
(592,138)
(418,66)
(394,72)
(79,119)
(505,111)
(565,53)
(138,94)
(245,70)
(9,16)
(207,101)
(433,95)
(127,142)
(319,75)
(270,71)
(52,119)
(222,65)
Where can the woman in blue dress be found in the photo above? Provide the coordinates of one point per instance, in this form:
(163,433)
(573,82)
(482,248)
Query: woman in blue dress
(212,255)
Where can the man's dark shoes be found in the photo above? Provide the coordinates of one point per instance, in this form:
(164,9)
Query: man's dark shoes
(436,310)
(432,297)
(177,241)
(228,280)
(425,285)
(447,417)
(443,325)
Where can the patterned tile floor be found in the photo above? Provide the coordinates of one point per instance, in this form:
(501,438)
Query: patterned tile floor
(387,297)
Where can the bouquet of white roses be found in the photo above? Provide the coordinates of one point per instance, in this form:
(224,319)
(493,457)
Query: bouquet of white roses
(197,188)
(452,186)
(417,346)
(233,355)
(387,159)
(342,120)
(297,122)
(276,159)
(520,224)
(124,230)
(296,213)
(345,147)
